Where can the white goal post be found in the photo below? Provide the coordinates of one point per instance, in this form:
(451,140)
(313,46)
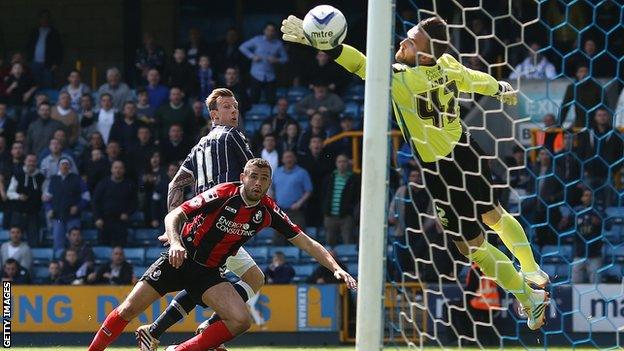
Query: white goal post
(372,245)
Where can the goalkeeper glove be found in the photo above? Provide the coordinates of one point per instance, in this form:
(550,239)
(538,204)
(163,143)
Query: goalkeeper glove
(292,29)
(506,93)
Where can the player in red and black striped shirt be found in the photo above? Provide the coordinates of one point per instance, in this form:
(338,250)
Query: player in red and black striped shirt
(215,224)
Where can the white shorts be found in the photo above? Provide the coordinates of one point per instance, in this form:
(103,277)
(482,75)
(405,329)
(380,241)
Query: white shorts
(239,263)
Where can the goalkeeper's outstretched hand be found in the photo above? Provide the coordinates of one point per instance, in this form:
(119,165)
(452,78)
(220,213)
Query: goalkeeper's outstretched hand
(506,93)
(292,31)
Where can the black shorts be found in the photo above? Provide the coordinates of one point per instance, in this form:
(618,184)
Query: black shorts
(461,188)
(191,276)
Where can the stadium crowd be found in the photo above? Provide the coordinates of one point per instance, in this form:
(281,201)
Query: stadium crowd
(84,172)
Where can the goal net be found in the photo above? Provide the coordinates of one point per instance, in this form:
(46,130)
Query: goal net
(557,166)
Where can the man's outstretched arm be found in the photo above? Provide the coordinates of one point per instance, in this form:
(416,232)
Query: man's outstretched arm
(175,193)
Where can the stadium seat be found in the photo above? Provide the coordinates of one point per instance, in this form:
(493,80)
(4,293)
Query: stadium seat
(260,254)
(297,93)
(346,253)
(58,254)
(4,235)
(258,112)
(281,92)
(615,211)
(352,268)
(102,253)
(89,235)
(153,253)
(354,93)
(304,257)
(264,237)
(139,270)
(304,271)
(550,269)
(614,271)
(554,253)
(87,220)
(42,256)
(146,236)
(136,255)
(251,126)
(352,109)
(291,253)
(52,94)
(137,219)
(39,274)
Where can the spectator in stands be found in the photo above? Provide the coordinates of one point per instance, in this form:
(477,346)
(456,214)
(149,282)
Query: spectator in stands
(198,116)
(13,272)
(341,196)
(519,177)
(17,159)
(41,131)
(322,275)
(64,199)
(94,142)
(156,92)
(583,94)
(549,191)
(118,90)
(290,140)
(145,111)
(54,274)
(19,87)
(96,168)
(475,63)
(16,249)
(602,141)
(31,114)
(326,70)
(83,250)
(101,121)
(25,190)
(264,51)
(149,177)
(142,152)
(175,112)
(258,137)
(196,46)
(175,148)
(73,272)
(601,64)
(149,56)
(281,118)
(46,50)
(7,125)
(269,152)
(322,101)
(158,199)
(181,73)
(113,153)
(63,113)
(50,164)
(409,200)
(588,242)
(345,145)
(205,77)
(114,200)
(315,130)
(319,164)
(76,90)
(226,53)
(232,81)
(86,116)
(279,271)
(117,271)
(292,187)
(534,66)
(126,126)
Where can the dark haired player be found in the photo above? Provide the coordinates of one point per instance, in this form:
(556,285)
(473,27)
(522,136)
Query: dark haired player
(425,88)
(215,224)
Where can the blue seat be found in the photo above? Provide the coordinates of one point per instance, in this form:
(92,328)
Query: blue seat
(297,93)
(137,219)
(304,270)
(4,235)
(40,273)
(554,253)
(52,94)
(153,253)
(251,126)
(260,254)
(89,235)
(353,269)
(139,270)
(354,93)
(136,255)
(146,236)
(291,253)
(258,112)
(87,220)
(42,256)
(550,269)
(614,271)
(281,92)
(264,237)
(346,252)
(615,211)
(352,109)
(102,253)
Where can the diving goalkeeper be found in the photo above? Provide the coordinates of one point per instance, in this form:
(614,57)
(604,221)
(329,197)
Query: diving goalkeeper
(425,87)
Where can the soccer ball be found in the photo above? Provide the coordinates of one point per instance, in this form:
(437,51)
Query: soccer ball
(325,27)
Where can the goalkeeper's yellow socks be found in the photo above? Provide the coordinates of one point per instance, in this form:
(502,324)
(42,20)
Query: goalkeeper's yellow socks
(514,238)
(498,266)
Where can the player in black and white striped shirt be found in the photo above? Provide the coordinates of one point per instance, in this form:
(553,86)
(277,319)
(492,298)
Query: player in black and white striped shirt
(218,157)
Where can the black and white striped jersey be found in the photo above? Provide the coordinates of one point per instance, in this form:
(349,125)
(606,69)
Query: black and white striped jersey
(218,157)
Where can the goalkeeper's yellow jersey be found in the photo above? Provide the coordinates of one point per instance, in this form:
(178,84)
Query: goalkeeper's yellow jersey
(425,99)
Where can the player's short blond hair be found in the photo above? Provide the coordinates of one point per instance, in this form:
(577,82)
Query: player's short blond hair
(211,100)
(258,162)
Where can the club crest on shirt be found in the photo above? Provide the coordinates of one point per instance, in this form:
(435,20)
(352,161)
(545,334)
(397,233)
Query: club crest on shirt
(257,218)
(228,208)
(155,275)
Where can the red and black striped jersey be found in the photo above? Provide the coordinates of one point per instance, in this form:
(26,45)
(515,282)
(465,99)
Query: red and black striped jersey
(220,222)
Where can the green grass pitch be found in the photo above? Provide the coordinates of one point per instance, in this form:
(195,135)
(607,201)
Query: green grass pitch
(282,348)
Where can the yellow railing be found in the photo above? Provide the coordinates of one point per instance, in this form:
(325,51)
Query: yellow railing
(356,136)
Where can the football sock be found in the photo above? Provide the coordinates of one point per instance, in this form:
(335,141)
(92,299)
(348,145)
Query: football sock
(181,305)
(498,266)
(213,336)
(108,332)
(244,290)
(512,234)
